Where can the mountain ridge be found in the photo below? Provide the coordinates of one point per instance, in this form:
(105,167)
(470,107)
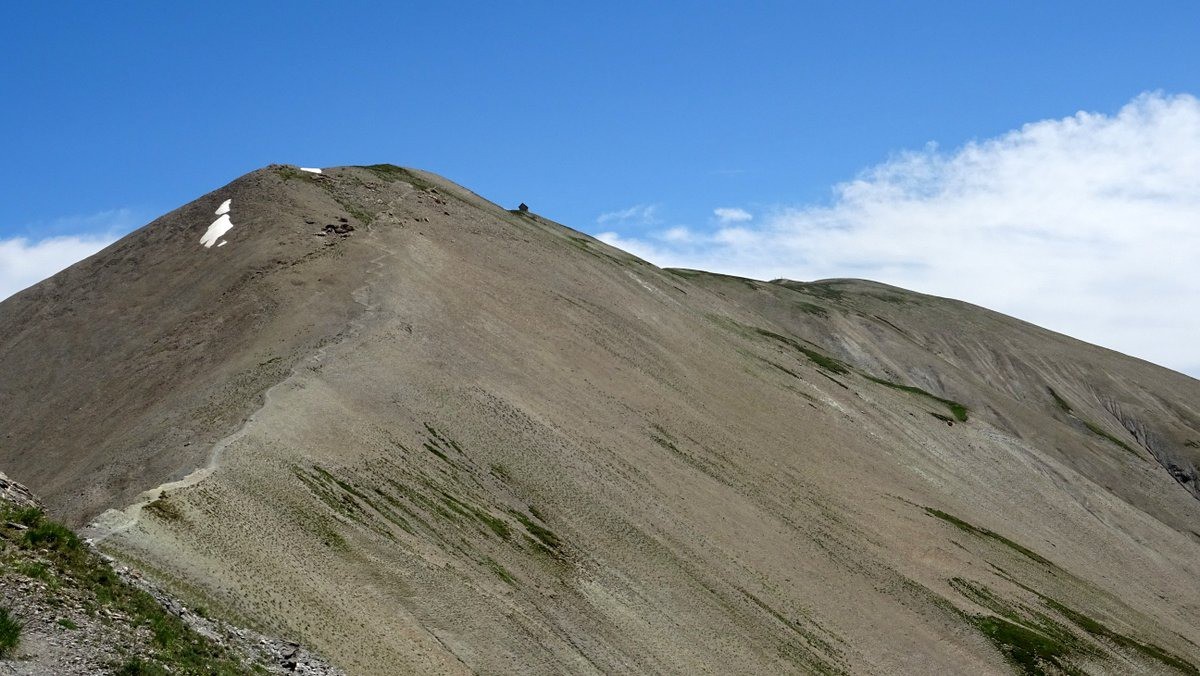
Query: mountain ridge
(502,445)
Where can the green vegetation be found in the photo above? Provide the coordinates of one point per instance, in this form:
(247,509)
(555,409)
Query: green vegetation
(781,368)
(1099,630)
(958,410)
(987,534)
(501,472)
(546,540)
(10,633)
(500,571)
(178,648)
(288,173)
(1095,429)
(893,298)
(496,525)
(1027,649)
(1028,639)
(1092,427)
(812,309)
(163,509)
(359,215)
(391,172)
(440,444)
(813,649)
(36,571)
(66,623)
(824,361)
(821,289)
(1059,401)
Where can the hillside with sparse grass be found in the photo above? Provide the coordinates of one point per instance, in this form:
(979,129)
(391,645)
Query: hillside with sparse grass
(369,410)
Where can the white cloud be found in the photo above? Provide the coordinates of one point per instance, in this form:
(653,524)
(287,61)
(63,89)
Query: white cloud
(731,215)
(678,233)
(25,261)
(638,214)
(1089,225)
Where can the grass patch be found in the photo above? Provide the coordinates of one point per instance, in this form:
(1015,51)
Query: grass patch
(360,215)
(1091,426)
(440,444)
(1095,429)
(37,571)
(10,632)
(500,571)
(289,173)
(391,172)
(987,534)
(1147,650)
(956,409)
(1026,649)
(66,623)
(812,309)
(1059,401)
(824,361)
(177,649)
(545,539)
(164,509)
(497,525)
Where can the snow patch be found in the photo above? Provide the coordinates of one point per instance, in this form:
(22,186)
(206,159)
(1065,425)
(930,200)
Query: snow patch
(222,243)
(224,208)
(218,228)
(312,170)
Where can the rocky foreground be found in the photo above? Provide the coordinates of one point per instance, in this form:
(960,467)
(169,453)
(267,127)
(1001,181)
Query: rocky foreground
(81,612)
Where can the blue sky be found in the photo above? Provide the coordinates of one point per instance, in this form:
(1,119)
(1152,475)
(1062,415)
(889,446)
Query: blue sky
(632,120)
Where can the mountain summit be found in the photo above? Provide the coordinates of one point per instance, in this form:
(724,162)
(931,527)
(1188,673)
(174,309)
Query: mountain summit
(368,409)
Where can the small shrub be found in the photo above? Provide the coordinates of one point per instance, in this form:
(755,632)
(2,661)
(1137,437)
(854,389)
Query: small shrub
(10,632)
(66,623)
(138,667)
(46,534)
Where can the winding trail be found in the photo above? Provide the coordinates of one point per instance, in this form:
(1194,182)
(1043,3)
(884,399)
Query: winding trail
(115,521)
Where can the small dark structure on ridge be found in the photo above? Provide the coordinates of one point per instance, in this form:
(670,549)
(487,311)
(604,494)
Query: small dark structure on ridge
(523,207)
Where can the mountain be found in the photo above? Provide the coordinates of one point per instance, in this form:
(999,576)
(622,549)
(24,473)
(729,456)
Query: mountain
(371,411)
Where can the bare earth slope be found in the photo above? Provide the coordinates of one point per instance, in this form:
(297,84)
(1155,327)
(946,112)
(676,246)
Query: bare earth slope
(457,438)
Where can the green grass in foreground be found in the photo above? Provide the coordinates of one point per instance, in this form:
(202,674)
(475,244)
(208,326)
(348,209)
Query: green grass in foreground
(10,633)
(178,649)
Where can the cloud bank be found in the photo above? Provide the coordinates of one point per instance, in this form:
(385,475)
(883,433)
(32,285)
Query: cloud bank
(1088,225)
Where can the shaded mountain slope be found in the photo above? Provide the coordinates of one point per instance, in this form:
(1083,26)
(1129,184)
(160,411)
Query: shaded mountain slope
(458,438)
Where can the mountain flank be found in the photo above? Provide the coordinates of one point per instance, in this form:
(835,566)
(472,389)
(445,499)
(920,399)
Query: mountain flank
(423,433)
